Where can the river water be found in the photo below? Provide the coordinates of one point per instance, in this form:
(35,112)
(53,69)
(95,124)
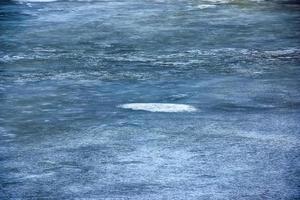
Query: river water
(78,83)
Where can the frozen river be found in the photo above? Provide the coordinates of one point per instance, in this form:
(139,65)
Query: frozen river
(149,99)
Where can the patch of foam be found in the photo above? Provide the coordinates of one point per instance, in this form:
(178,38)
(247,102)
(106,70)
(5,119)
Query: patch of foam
(283,52)
(36,1)
(38,176)
(219,1)
(8,58)
(284,141)
(5,134)
(204,6)
(159,107)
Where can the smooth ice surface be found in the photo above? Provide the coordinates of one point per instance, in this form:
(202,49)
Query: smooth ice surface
(159,107)
(66,67)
